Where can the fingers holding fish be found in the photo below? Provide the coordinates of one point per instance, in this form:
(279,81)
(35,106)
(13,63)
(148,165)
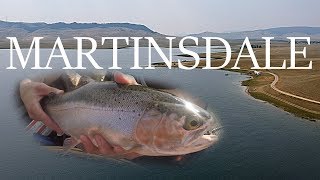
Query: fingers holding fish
(104,148)
(88,146)
(44,90)
(124,78)
(31,93)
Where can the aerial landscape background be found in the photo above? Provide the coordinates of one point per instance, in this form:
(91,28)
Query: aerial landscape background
(269,118)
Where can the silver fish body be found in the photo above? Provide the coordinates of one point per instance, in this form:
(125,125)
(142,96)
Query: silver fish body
(137,118)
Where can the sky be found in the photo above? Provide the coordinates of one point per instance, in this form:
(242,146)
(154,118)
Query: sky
(171,17)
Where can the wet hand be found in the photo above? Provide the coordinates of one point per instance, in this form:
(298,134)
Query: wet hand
(102,147)
(31,93)
(124,78)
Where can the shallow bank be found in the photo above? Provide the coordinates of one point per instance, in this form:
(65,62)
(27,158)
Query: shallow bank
(258,86)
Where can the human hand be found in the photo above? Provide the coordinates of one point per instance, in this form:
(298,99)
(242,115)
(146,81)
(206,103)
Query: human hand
(124,78)
(31,93)
(103,147)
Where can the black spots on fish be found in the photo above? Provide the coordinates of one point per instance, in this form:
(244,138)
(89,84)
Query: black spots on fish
(139,114)
(160,107)
(169,108)
(137,88)
(133,110)
(125,97)
(119,118)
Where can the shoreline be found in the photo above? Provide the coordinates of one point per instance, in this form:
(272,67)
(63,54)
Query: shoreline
(259,87)
(296,92)
(292,108)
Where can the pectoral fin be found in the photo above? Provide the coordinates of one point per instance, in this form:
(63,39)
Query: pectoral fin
(70,143)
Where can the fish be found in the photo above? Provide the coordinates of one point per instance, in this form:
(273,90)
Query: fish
(137,118)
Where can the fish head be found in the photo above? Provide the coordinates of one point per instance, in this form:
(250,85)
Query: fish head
(175,129)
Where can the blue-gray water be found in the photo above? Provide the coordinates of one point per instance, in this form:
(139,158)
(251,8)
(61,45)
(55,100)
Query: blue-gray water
(259,141)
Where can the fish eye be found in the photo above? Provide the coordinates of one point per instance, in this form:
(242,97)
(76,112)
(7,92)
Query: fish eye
(192,123)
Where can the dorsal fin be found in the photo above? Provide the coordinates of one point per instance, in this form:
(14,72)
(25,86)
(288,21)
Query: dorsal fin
(84,80)
(73,80)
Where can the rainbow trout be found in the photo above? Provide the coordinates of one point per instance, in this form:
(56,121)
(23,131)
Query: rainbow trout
(137,118)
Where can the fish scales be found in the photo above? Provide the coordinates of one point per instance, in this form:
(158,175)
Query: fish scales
(132,116)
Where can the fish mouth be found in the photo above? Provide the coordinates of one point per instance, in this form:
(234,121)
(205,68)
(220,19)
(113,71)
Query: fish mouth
(213,131)
(211,134)
(209,137)
(205,141)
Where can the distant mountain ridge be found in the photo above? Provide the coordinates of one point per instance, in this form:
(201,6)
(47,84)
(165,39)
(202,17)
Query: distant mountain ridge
(279,33)
(26,31)
(61,25)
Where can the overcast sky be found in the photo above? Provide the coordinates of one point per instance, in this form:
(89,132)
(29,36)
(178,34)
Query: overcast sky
(172,17)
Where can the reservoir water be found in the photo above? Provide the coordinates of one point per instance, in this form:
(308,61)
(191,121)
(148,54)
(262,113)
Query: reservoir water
(258,140)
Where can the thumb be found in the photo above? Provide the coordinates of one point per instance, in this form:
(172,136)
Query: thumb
(124,79)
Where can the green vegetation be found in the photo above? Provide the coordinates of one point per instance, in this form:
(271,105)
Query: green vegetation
(296,111)
(260,80)
(255,88)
